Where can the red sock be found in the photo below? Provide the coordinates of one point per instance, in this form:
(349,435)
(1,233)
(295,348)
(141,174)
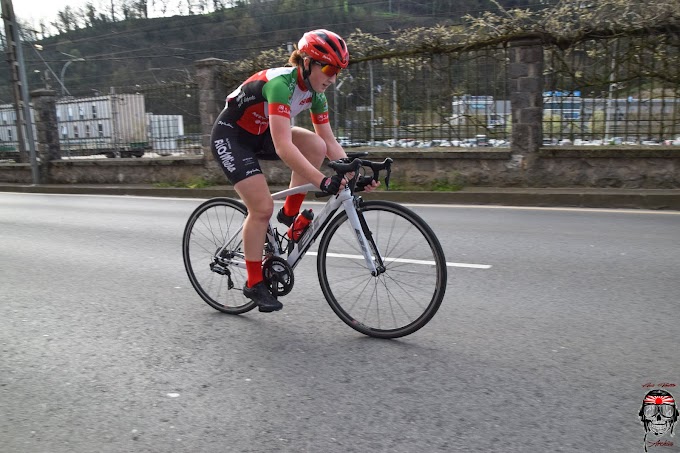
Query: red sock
(254,269)
(292,204)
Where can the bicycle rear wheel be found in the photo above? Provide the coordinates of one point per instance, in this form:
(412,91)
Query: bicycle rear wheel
(404,297)
(216,278)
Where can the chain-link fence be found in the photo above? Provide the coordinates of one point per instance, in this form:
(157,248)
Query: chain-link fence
(139,121)
(432,100)
(438,100)
(618,91)
(9,141)
(621,90)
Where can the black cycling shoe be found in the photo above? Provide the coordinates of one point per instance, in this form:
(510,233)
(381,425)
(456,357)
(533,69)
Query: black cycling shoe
(285,219)
(262,297)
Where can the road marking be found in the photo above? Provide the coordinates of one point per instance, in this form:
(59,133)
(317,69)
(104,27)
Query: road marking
(547,208)
(421,205)
(405,260)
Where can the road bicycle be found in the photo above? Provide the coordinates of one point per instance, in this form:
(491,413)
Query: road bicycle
(380,266)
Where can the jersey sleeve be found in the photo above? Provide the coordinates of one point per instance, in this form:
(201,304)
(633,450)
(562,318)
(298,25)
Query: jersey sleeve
(277,96)
(319,111)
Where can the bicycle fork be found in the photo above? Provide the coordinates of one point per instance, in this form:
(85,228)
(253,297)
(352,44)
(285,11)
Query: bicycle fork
(361,231)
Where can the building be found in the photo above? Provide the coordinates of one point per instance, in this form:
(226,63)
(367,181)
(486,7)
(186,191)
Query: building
(113,125)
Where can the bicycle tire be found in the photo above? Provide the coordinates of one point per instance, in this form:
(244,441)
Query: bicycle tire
(206,231)
(403,298)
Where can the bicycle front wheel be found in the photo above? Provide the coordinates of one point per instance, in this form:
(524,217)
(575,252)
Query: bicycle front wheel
(218,277)
(402,298)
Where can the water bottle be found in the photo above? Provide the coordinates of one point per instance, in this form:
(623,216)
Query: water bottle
(300,224)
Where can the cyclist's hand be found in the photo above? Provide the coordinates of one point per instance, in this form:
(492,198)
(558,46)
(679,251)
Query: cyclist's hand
(331,184)
(367,184)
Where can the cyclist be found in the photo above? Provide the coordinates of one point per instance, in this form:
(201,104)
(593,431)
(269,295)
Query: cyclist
(255,124)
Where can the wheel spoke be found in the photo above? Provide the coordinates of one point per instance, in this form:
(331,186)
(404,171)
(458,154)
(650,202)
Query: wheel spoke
(209,226)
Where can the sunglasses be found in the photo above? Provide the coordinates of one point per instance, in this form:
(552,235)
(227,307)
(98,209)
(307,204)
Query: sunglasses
(328,69)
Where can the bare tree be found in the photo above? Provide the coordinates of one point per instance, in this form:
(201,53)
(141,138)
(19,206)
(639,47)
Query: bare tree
(66,20)
(142,8)
(90,14)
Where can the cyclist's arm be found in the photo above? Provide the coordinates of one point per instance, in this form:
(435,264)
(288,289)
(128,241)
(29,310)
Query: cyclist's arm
(277,93)
(334,151)
(282,136)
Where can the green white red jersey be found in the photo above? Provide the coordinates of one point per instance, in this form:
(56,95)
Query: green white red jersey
(276,91)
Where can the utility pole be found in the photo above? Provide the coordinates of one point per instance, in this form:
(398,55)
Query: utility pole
(370,75)
(15,57)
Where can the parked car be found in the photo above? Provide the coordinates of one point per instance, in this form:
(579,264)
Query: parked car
(345,142)
(482,140)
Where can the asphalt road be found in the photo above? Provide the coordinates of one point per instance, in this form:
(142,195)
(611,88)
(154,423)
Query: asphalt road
(105,347)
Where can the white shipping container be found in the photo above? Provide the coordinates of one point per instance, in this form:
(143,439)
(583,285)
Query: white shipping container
(112,121)
(164,131)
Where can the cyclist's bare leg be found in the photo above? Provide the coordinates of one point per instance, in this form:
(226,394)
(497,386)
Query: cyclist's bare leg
(315,150)
(312,147)
(254,192)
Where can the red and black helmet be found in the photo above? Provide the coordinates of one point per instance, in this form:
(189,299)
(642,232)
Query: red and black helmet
(325,46)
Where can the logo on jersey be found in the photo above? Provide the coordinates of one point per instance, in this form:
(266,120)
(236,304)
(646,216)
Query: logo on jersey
(320,118)
(279,109)
(242,99)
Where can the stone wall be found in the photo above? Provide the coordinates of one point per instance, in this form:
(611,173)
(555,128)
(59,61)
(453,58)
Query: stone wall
(16,173)
(655,168)
(553,167)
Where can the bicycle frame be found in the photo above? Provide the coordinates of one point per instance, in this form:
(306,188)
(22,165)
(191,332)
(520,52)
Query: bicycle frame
(344,200)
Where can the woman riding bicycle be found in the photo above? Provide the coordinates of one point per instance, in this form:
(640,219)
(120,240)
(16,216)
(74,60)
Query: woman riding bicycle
(255,124)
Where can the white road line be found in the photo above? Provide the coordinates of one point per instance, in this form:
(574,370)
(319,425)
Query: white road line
(421,205)
(547,208)
(404,260)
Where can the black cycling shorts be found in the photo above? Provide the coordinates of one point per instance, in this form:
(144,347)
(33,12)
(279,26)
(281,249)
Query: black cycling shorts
(237,150)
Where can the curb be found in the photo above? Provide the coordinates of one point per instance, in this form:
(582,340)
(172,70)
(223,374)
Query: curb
(559,197)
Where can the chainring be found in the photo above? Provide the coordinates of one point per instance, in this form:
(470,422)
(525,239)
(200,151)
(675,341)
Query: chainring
(278,275)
